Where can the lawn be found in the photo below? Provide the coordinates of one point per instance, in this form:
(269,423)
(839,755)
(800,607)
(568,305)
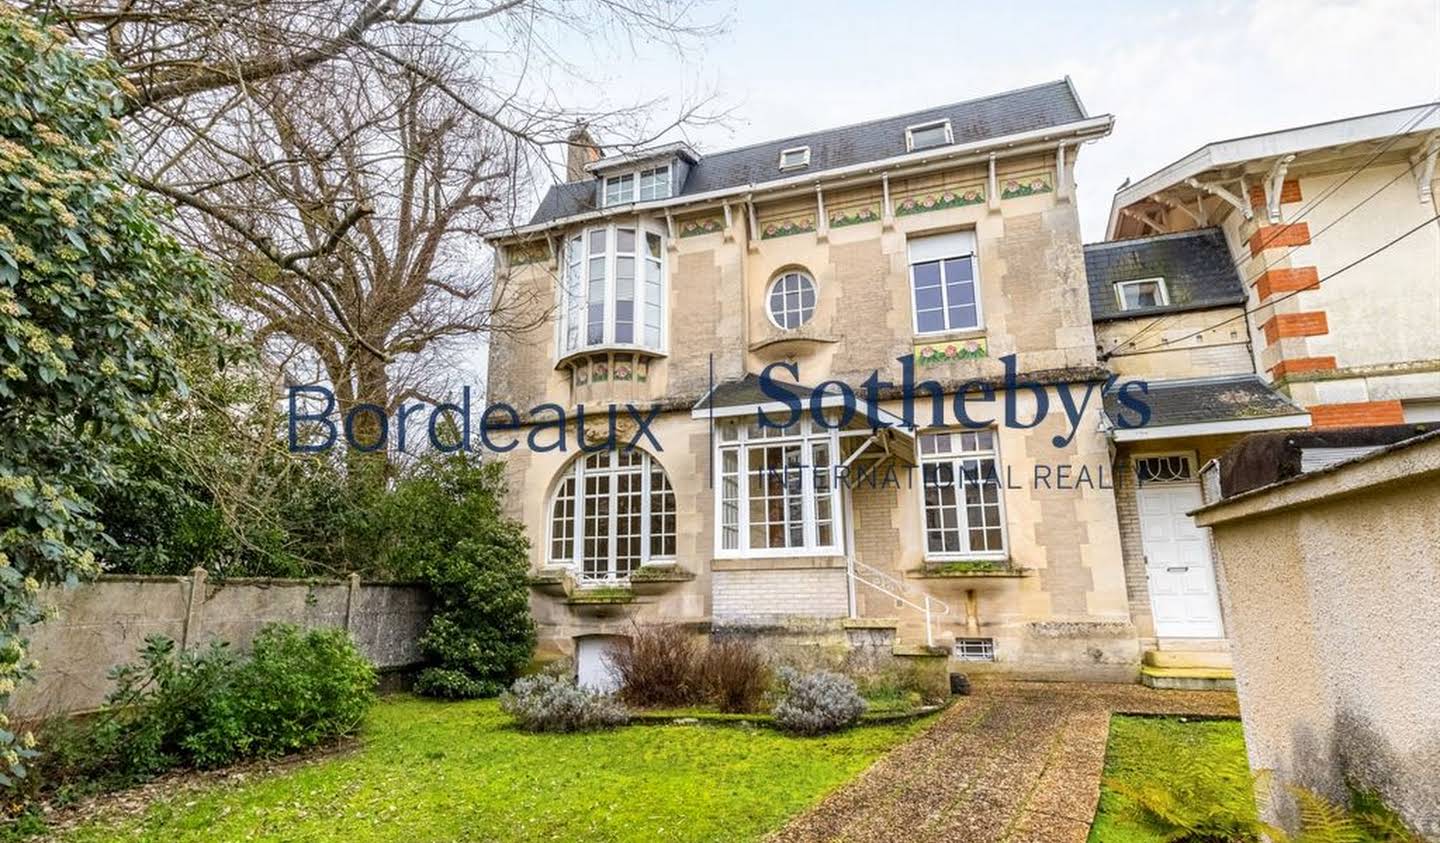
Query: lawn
(458,771)
(1155,749)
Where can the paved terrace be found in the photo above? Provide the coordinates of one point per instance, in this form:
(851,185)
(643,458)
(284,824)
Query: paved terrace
(1018,762)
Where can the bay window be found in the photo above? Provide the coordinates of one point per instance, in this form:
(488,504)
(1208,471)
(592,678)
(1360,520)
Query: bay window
(778,491)
(613,289)
(963,506)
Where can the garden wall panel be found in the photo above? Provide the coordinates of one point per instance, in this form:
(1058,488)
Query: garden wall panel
(99,625)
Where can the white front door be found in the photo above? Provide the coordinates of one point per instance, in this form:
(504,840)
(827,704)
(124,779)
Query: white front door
(1183,597)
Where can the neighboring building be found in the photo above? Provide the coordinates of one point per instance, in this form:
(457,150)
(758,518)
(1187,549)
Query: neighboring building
(1227,288)
(1203,396)
(949,234)
(1320,568)
(1356,346)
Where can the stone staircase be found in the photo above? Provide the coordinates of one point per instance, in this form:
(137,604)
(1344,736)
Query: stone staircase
(1189,665)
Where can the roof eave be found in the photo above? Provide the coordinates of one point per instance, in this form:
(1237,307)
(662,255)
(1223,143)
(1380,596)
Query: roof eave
(1091,128)
(1268,145)
(1210,428)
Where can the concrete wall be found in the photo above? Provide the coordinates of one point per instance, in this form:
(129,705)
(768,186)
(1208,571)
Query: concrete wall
(1331,589)
(99,625)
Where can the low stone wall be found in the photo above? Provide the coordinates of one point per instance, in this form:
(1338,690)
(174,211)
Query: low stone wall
(99,625)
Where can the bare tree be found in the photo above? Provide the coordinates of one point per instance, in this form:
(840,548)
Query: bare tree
(202,74)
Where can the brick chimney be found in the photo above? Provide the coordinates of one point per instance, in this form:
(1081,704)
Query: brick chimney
(581,149)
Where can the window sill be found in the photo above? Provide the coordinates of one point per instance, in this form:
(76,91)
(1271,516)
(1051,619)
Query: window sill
(968,569)
(609,348)
(945,336)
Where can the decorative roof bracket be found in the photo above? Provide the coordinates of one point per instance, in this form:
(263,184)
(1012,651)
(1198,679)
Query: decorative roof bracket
(1230,198)
(1142,218)
(992,189)
(753,241)
(822,222)
(1422,164)
(1062,175)
(887,211)
(1275,185)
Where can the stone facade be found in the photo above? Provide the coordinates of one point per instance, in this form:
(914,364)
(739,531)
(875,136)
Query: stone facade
(1056,605)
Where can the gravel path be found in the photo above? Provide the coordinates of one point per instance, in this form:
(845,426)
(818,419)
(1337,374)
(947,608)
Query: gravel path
(1018,762)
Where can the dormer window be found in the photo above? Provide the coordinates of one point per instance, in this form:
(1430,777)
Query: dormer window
(653,183)
(619,189)
(927,135)
(795,158)
(1136,295)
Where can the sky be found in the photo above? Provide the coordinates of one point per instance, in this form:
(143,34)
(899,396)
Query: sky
(1174,75)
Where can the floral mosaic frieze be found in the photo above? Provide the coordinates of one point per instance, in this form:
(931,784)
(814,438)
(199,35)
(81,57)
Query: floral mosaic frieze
(787,227)
(938,200)
(937,353)
(1030,185)
(704,225)
(854,216)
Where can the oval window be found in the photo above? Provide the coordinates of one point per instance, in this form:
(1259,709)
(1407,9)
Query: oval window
(791,300)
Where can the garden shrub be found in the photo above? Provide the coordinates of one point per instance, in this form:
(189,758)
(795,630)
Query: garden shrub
(660,668)
(819,702)
(298,689)
(543,703)
(205,707)
(443,524)
(735,674)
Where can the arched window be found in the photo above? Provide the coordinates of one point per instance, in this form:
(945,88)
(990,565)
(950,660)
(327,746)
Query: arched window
(612,512)
(791,301)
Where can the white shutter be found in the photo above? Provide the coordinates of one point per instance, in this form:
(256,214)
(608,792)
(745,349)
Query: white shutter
(950,245)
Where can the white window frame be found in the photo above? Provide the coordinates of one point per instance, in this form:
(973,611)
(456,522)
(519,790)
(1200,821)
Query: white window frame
(640,195)
(770,290)
(807,436)
(804,161)
(974,257)
(929,124)
(634,181)
(1159,284)
(953,458)
(574,312)
(630,186)
(576,563)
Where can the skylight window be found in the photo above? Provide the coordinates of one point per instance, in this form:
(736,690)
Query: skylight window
(927,135)
(795,158)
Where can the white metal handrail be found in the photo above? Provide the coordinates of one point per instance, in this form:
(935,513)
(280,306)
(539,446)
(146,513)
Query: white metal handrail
(897,588)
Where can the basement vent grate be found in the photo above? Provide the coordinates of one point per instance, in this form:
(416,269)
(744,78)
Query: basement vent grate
(975,649)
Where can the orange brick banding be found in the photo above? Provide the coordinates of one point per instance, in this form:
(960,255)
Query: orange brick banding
(1282,236)
(1358,414)
(1289,192)
(1308,324)
(1296,365)
(1275,281)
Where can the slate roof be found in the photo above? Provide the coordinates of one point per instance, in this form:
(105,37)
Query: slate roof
(746,392)
(997,115)
(1196,265)
(1200,400)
